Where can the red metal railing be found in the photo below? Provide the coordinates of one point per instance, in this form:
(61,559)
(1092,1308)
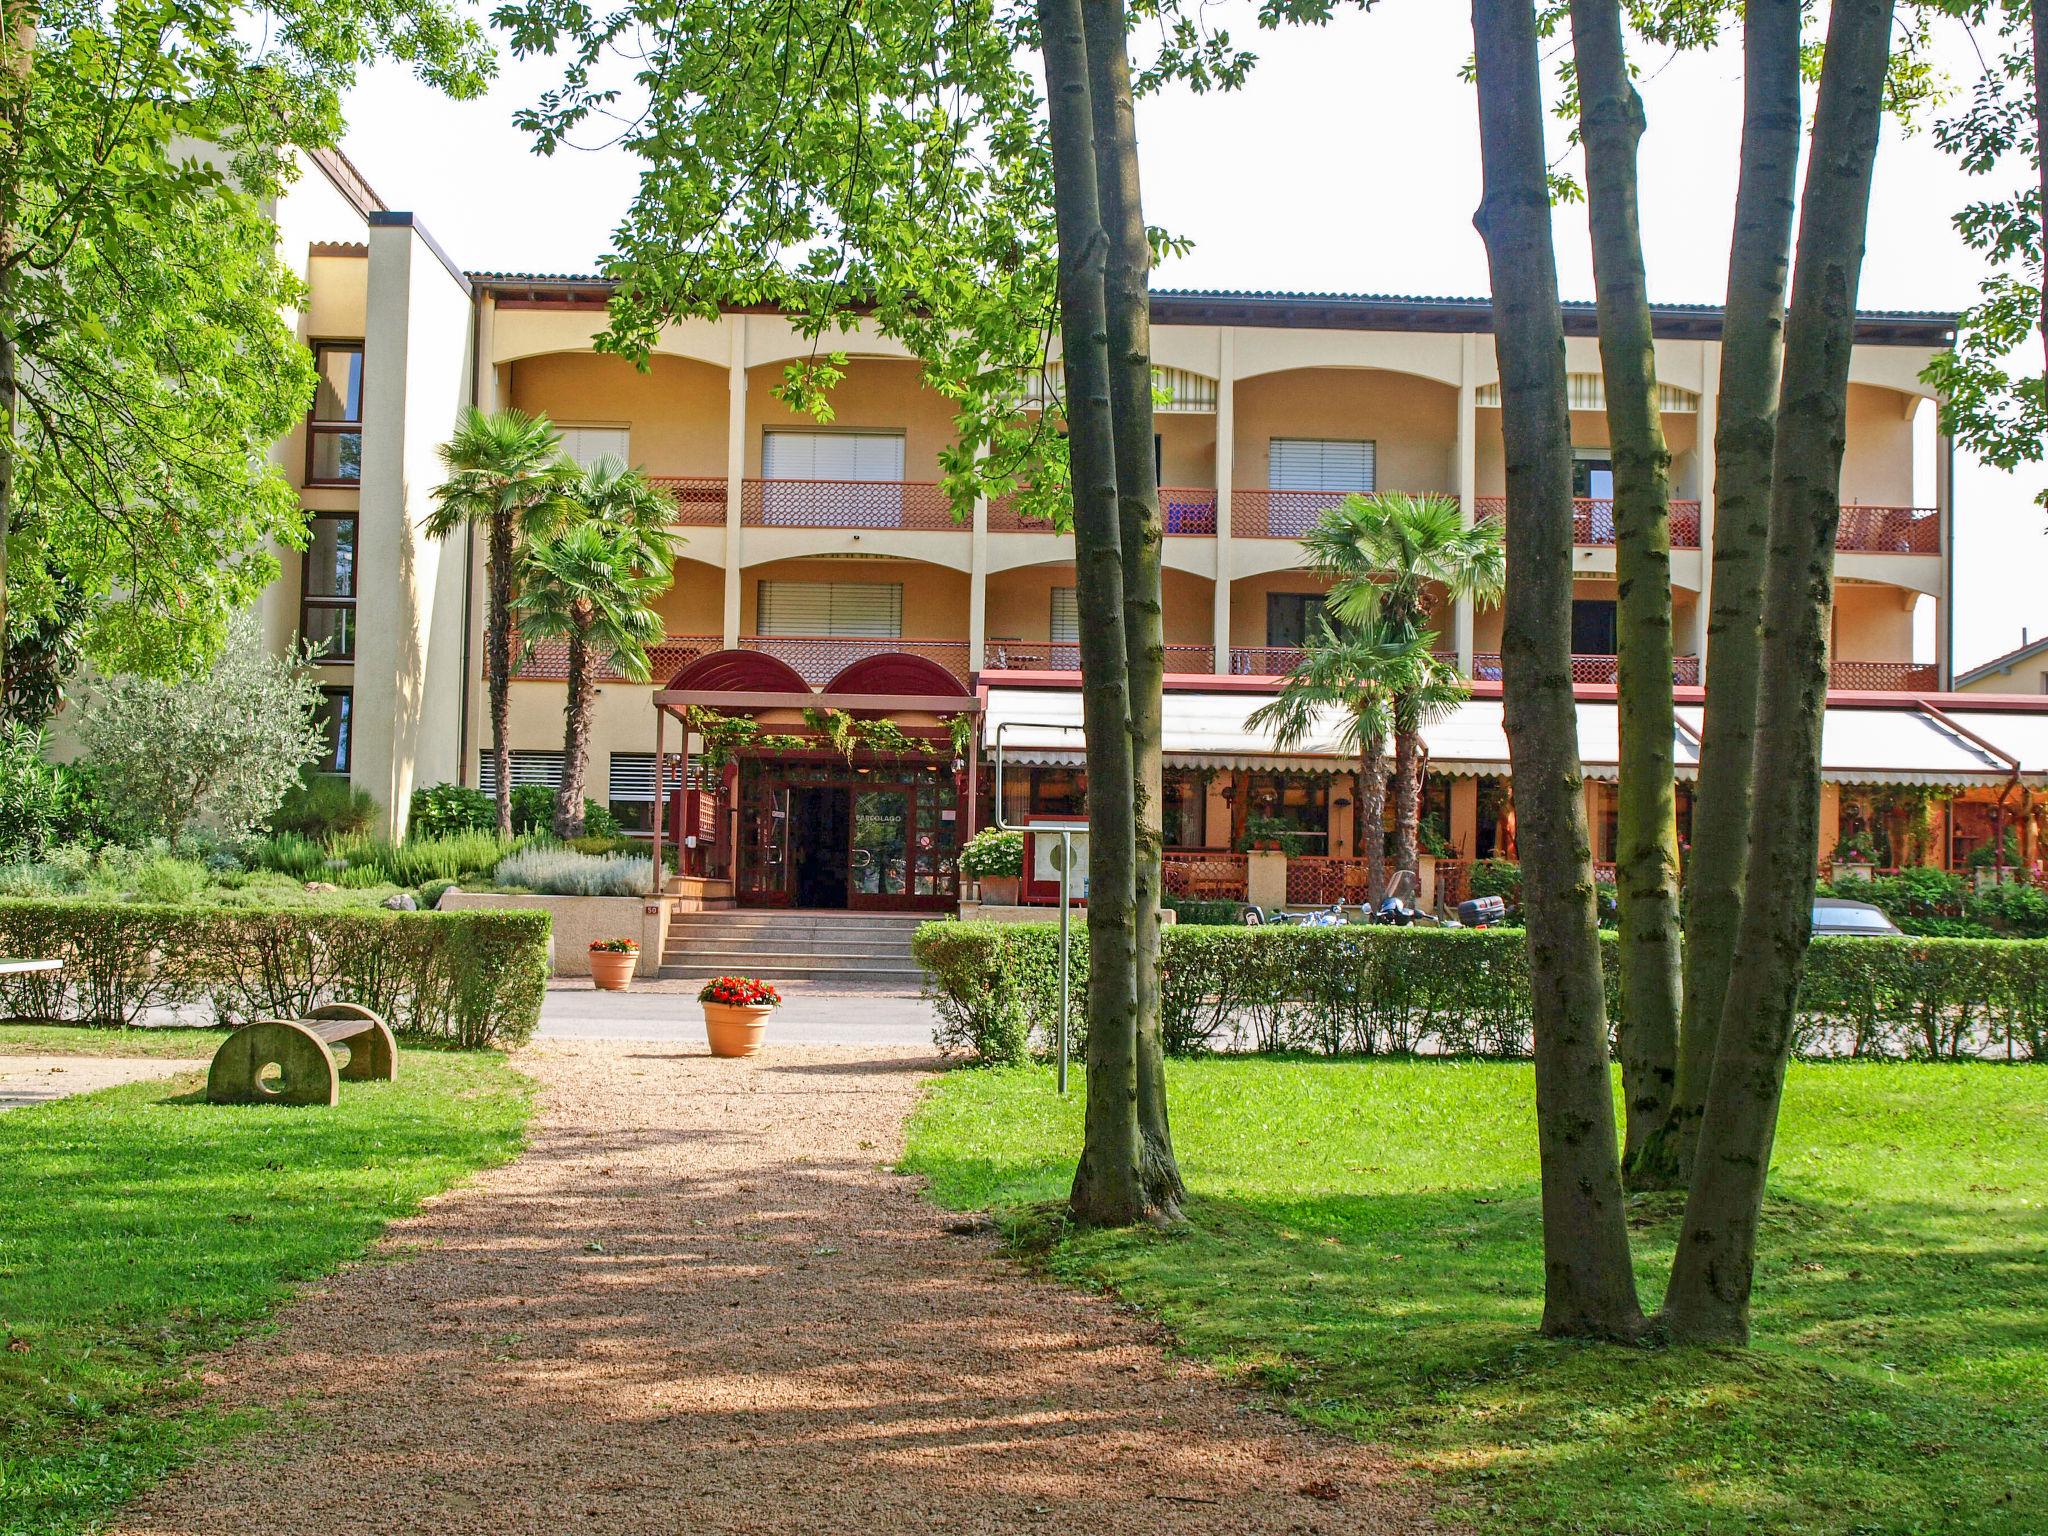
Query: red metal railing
(1314,880)
(1891,676)
(1593,520)
(1063,656)
(699,499)
(1890,530)
(1186,510)
(549,660)
(1257,513)
(1453,882)
(913,504)
(818,658)
(1264,660)
(1685,670)
(1205,876)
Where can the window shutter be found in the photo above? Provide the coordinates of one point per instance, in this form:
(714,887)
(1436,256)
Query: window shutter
(842,609)
(1319,464)
(832,456)
(632,775)
(586,445)
(1066,617)
(542,768)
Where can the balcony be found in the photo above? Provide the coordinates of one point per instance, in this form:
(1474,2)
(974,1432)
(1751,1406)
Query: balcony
(1883,676)
(1685,670)
(1279,660)
(1188,511)
(699,499)
(548,661)
(1889,530)
(1593,520)
(1268,514)
(1063,656)
(819,658)
(918,505)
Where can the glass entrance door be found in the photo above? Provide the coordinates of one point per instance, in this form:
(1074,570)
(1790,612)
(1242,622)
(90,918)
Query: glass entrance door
(881,847)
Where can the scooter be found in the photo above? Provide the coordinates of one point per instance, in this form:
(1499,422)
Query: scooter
(1397,908)
(1334,916)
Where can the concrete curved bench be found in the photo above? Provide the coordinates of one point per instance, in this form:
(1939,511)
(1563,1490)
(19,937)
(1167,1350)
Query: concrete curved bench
(303,1051)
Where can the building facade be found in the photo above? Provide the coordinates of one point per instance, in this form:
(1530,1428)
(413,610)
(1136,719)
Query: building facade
(820,547)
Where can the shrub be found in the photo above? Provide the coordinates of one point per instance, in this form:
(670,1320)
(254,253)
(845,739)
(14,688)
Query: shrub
(447,809)
(458,856)
(1371,990)
(993,854)
(33,798)
(475,978)
(557,871)
(1921,901)
(430,894)
(323,806)
(217,751)
(1190,911)
(2011,907)
(1498,877)
(294,854)
(169,880)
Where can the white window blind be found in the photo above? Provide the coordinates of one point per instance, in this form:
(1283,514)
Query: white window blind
(832,456)
(1319,464)
(1066,617)
(543,768)
(847,609)
(632,775)
(586,445)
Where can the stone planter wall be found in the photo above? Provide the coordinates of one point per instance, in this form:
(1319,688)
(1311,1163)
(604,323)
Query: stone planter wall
(579,919)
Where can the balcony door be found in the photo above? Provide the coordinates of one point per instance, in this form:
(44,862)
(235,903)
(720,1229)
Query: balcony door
(1593,627)
(1304,475)
(837,479)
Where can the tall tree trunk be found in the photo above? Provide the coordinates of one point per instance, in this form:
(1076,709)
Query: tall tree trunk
(1407,790)
(1589,1288)
(1715,1266)
(498,663)
(17,72)
(1372,811)
(2040,22)
(1752,336)
(1142,542)
(1646,820)
(1107,1190)
(581,697)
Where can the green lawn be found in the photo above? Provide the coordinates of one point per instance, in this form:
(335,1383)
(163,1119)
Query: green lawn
(22,1039)
(140,1227)
(1365,1245)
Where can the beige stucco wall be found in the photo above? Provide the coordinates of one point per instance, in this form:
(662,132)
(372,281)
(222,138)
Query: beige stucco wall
(1877,465)
(934,598)
(695,603)
(1872,623)
(1020,604)
(1412,422)
(2029,676)
(675,411)
(878,394)
(1187,450)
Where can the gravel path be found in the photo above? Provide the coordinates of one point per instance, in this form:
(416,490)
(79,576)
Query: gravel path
(702,1303)
(26,1080)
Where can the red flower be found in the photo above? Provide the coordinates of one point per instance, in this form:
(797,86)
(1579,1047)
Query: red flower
(740,992)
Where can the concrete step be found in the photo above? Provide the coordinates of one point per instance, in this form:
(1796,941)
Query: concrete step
(907,980)
(781,946)
(720,962)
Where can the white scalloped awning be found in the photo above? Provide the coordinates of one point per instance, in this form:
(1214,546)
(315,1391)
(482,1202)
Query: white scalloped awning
(1893,745)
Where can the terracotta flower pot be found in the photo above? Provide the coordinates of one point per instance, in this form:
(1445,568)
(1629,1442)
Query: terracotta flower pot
(1000,890)
(733,1030)
(611,970)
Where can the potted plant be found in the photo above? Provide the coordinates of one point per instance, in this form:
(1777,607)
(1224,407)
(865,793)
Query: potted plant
(1855,854)
(736,1010)
(611,963)
(995,858)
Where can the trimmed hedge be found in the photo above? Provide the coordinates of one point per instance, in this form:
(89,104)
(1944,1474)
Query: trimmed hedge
(473,978)
(1371,990)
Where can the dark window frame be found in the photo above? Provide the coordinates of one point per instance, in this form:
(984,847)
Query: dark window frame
(316,429)
(339,753)
(308,601)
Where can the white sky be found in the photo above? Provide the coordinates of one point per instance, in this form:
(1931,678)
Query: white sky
(1349,163)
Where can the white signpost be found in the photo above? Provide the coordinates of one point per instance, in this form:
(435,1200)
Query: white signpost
(1062,859)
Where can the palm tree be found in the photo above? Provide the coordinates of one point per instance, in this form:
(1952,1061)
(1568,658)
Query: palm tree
(1388,558)
(1353,676)
(590,586)
(506,476)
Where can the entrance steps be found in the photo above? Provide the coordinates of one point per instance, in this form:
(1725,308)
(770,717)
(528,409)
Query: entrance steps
(867,949)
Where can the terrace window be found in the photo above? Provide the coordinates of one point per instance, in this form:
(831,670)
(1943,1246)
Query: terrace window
(1291,617)
(334,426)
(586,446)
(327,593)
(837,479)
(856,610)
(333,717)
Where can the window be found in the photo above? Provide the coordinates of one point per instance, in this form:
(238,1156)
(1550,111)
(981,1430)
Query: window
(586,445)
(327,591)
(1593,627)
(833,456)
(333,719)
(840,609)
(1291,617)
(1593,474)
(630,790)
(1066,618)
(1319,464)
(1300,802)
(334,427)
(542,768)
(1183,810)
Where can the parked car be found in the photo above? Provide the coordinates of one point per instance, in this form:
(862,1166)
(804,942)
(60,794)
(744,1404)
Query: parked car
(1854,919)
